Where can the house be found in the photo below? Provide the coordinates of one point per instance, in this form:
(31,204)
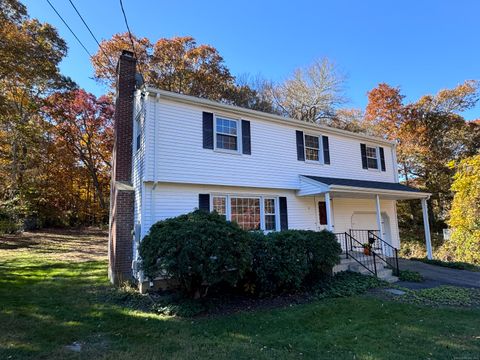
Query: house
(175,153)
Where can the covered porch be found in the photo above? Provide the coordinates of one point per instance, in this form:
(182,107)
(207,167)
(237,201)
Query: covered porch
(362,208)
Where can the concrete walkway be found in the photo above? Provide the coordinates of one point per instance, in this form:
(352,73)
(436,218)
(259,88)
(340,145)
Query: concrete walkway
(437,275)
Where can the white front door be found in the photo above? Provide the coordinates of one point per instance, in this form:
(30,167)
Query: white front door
(368,221)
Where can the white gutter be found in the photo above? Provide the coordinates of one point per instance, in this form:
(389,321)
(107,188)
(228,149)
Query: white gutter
(404,193)
(214,105)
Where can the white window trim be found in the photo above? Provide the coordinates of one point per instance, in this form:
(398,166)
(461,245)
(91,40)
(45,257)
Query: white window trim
(321,160)
(239,135)
(228,207)
(377,153)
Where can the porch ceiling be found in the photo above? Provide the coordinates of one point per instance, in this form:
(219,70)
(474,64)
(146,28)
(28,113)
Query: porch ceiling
(351,188)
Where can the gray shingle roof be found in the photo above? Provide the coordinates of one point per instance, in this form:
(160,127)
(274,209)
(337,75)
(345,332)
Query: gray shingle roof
(363,184)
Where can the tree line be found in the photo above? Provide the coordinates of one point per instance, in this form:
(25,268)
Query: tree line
(56,138)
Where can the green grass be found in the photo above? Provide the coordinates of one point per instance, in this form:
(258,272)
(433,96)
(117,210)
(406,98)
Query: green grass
(47,303)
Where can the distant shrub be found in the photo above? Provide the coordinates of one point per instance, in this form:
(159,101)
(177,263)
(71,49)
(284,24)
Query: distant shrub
(196,250)
(8,227)
(412,276)
(284,261)
(449,264)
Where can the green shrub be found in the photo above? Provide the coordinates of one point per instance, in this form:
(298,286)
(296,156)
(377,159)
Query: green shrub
(449,264)
(323,252)
(196,250)
(8,227)
(412,276)
(347,283)
(279,261)
(284,261)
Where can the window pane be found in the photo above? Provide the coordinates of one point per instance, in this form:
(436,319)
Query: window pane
(219,204)
(270,222)
(372,163)
(311,154)
(311,141)
(226,142)
(246,212)
(226,126)
(269,206)
(372,152)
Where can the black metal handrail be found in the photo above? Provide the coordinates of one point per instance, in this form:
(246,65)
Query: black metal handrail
(389,254)
(350,245)
(383,250)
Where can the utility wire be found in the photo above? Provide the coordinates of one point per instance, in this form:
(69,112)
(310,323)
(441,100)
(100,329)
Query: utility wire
(91,33)
(128,28)
(131,38)
(69,28)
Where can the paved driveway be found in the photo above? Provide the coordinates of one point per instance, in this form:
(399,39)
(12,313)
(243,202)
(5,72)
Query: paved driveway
(438,275)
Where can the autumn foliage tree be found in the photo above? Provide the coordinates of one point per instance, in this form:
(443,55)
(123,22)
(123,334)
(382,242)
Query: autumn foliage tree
(430,133)
(82,125)
(464,243)
(178,64)
(30,55)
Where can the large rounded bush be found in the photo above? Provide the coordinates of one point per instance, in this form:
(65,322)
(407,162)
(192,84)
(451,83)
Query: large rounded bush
(285,261)
(279,261)
(196,250)
(323,251)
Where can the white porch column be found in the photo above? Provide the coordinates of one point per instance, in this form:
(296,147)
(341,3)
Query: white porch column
(379,217)
(329,211)
(379,222)
(426,225)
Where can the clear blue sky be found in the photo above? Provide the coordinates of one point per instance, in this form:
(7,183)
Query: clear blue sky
(420,45)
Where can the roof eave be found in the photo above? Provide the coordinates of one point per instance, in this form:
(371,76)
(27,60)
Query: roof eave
(403,193)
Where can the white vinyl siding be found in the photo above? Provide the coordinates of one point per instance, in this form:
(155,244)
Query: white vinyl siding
(167,200)
(178,155)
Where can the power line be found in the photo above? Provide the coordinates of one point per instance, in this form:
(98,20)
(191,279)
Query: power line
(91,33)
(69,28)
(128,28)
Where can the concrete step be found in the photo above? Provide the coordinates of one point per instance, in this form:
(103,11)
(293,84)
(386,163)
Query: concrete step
(390,279)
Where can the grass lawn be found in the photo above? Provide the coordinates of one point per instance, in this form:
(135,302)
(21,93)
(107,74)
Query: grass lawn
(53,292)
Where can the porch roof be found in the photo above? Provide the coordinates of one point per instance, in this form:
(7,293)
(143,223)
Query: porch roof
(311,185)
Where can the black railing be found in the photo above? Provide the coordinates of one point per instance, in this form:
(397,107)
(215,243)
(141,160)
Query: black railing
(351,246)
(383,250)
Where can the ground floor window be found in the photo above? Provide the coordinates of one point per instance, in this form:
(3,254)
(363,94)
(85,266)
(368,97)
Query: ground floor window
(249,212)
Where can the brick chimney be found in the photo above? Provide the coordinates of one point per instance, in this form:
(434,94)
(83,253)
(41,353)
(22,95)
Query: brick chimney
(120,242)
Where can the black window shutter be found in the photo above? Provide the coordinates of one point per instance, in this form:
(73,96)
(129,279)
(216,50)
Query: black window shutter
(382,159)
(204,202)
(246,142)
(283,213)
(300,146)
(326,150)
(207,130)
(363,149)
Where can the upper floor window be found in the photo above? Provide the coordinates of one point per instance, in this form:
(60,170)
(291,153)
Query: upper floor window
(372,157)
(226,134)
(312,148)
